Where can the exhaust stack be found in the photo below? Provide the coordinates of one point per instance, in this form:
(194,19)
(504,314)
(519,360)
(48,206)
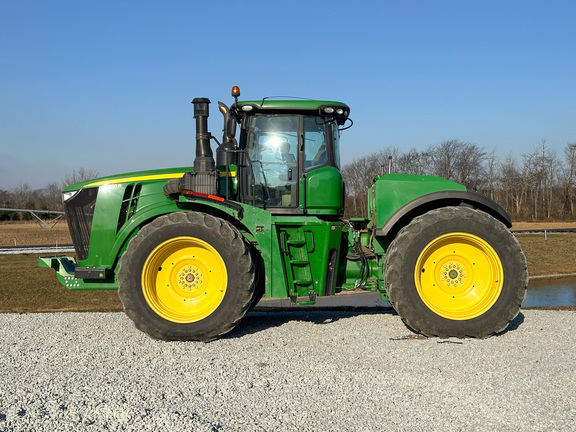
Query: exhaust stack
(225,152)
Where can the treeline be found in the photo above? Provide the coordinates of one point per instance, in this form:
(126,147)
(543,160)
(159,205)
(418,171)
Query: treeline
(541,185)
(538,186)
(49,198)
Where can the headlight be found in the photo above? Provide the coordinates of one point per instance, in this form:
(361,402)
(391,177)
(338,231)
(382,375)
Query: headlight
(68,195)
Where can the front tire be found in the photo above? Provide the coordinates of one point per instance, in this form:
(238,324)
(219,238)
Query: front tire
(186,276)
(456,272)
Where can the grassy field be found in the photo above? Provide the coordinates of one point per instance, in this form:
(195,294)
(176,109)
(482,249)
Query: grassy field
(28,288)
(25,287)
(30,233)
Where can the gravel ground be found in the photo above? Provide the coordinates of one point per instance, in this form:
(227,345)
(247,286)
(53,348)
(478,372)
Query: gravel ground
(321,371)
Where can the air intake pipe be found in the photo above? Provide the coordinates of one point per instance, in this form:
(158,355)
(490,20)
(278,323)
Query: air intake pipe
(204,161)
(204,178)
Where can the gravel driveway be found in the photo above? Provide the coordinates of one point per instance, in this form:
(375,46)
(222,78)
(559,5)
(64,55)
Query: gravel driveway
(321,371)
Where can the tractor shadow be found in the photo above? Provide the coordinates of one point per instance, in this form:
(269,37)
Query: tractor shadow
(260,320)
(265,319)
(514,325)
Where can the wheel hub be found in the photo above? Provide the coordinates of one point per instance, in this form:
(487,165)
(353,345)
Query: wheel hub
(189,278)
(453,273)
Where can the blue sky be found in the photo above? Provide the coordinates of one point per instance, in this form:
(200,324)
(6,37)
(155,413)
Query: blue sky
(107,85)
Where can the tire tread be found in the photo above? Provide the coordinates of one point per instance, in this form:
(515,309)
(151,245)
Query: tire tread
(401,251)
(129,282)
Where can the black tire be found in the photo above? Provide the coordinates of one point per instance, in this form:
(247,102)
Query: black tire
(259,279)
(186,276)
(478,299)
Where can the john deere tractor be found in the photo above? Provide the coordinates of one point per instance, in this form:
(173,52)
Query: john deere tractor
(191,250)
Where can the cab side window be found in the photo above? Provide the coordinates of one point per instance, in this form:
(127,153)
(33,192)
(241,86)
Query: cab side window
(315,148)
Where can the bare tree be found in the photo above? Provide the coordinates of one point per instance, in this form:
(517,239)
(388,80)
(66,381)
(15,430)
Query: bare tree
(569,194)
(541,167)
(491,166)
(5,202)
(532,176)
(550,169)
(359,176)
(514,185)
(50,197)
(79,175)
(5,198)
(459,161)
(22,195)
(22,198)
(412,162)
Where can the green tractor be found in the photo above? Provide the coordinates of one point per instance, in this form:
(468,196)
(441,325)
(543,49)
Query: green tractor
(191,250)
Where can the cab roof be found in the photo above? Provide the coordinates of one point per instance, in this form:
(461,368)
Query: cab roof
(338,110)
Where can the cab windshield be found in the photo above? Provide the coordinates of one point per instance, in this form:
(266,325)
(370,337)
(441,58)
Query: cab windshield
(281,147)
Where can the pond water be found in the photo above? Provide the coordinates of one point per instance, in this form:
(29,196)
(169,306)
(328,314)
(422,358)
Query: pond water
(551,292)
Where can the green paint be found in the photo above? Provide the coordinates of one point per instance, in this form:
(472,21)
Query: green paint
(392,191)
(307,249)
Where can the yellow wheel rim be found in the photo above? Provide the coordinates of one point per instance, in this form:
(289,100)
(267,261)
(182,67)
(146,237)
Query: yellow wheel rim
(459,276)
(184,279)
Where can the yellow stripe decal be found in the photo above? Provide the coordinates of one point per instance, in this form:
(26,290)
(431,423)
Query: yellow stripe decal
(148,177)
(136,179)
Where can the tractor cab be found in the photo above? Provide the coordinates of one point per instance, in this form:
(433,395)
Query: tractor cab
(288,155)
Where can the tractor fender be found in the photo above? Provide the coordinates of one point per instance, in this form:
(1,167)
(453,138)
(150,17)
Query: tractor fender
(153,212)
(435,200)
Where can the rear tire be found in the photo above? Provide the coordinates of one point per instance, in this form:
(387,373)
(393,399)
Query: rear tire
(456,272)
(259,279)
(186,276)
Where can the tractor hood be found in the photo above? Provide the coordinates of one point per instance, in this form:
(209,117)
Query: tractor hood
(137,176)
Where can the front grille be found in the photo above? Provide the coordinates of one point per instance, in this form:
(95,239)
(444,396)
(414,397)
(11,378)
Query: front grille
(79,212)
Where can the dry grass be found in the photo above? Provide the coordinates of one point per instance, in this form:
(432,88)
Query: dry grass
(543,225)
(27,288)
(31,234)
(554,254)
